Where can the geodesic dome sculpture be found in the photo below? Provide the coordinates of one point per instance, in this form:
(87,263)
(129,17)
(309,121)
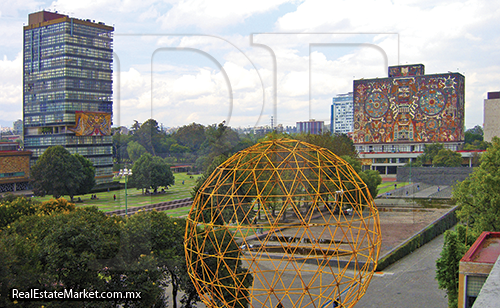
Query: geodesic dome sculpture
(282,224)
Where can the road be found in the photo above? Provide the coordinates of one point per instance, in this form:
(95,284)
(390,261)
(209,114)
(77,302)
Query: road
(408,283)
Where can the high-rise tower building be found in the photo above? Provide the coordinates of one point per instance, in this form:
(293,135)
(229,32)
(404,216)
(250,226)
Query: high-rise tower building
(67,89)
(311,127)
(342,114)
(491,125)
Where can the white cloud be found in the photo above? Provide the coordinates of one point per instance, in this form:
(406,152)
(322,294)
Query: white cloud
(11,88)
(213,15)
(443,35)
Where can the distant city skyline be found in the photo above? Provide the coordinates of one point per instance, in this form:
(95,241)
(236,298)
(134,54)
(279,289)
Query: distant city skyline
(225,71)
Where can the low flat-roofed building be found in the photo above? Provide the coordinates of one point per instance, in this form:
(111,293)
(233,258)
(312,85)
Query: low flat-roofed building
(475,267)
(14,167)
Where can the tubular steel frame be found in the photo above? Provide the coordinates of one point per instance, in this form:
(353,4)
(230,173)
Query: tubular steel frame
(282,223)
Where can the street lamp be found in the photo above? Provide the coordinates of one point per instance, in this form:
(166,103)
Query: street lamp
(125,173)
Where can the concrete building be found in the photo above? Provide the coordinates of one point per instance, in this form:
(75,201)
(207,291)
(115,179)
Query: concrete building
(14,167)
(395,117)
(342,115)
(474,269)
(18,127)
(67,88)
(311,127)
(491,125)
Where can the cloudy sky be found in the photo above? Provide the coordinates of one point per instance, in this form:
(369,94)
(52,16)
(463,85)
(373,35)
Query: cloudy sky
(248,61)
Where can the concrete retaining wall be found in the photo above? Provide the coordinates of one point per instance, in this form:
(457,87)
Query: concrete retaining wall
(434,175)
(420,238)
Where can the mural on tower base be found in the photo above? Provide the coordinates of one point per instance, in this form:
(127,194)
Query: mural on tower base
(92,123)
(425,108)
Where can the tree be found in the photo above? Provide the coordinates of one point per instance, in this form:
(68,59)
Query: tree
(456,244)
(447,158)
(430,151)
(220,140)
(211,168)
(339,144)
(479,194)
(59,173)
(150,136)
(191,136)
(371,178)
(135,150)
(474,134)
(120,143)
(88,171)
(479,199)
(151,172)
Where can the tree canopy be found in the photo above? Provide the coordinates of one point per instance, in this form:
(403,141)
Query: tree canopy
(478,197)
(447,158)
(151,172)
(54,245)
(135,150)
(59,173)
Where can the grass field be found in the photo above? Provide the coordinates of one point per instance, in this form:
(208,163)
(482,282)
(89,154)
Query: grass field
(388,186)
(135,197)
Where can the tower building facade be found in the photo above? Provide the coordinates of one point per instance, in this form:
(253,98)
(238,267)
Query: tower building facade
(342,114)
(395,117)
(67,88)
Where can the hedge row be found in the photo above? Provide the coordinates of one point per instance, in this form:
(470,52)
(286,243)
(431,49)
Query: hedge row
(419,239)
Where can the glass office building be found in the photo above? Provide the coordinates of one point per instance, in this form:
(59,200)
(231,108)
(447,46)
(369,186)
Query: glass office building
(342,114)
(67,94)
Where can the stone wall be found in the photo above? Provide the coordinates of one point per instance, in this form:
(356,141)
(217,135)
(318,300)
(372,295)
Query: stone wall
(434,175)
(13,162)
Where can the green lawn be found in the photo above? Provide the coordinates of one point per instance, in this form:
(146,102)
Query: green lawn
(135,197)
(389,186)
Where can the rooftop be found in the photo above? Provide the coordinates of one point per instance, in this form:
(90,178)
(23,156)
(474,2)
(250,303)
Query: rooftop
(485,249)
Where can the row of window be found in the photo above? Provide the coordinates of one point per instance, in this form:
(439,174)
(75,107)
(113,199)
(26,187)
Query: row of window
(72,95)
(400,148)
(30,108)
(65,60)
(49,118)
(67,49)
(58,39)
(66,27)
(67,72)
(100,161)
(93,150)
(67,83)
(48,140)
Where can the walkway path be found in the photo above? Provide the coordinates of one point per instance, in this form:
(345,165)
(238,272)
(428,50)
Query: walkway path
(408,283)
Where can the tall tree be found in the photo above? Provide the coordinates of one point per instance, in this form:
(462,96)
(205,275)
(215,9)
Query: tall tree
(479,194)
(150,136)
(135,150)
(120,143)
(59,173)
(192,136)
(479,199)
(151,172)
(430,151)
(339,144)
(88,172)
(447,158)
(456,244)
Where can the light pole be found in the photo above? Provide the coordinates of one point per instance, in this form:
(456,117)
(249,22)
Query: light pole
(125,173)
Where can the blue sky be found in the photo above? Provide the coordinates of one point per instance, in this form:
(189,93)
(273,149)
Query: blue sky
(245,61)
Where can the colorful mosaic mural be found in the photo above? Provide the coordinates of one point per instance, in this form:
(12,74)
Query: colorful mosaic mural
(406,70)
(426,108)
(92,123)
